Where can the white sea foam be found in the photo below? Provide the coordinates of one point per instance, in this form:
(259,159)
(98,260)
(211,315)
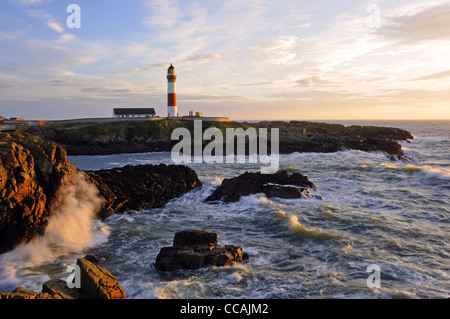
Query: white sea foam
(429,171)
(71,228)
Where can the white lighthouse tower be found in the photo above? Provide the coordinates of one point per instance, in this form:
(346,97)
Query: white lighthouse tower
(172,110)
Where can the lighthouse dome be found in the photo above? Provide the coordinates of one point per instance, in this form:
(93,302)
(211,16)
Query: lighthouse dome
(171,70)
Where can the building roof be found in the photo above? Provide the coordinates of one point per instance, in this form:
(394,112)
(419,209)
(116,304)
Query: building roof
(135,111)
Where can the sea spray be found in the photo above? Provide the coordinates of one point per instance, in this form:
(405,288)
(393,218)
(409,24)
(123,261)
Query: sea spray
(70,229)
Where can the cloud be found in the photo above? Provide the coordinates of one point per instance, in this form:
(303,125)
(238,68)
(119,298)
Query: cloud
(421,26)
(278,50)
(435,76)
(7,35)
(55,26)
(212,98)
(7,85)
(196,59)
(50,21)
(162,13)
(62,83)
(313,81)
(107,89)
(27,3)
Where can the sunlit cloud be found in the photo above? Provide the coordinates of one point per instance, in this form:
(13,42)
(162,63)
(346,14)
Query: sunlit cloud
(238,55)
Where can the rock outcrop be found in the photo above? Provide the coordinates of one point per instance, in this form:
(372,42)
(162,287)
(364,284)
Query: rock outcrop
(279,184)
(194,249)
(141,187)
(95,283)
(33,175)
(155,136)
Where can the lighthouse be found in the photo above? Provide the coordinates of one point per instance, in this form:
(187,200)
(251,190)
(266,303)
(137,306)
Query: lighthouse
(171,92)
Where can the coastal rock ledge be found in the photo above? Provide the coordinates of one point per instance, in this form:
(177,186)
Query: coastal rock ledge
(38,182)
(95,283)
(193,249)
(141,187)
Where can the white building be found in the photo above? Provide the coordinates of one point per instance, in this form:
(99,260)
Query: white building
(134,112)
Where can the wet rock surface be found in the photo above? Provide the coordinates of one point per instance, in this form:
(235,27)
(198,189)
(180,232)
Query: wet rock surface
(95,283)
(280,184)
(194,249)
(33,176)
(141,187)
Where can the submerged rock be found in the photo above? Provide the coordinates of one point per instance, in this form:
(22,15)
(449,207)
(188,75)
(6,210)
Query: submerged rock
(280,184)
(193,249)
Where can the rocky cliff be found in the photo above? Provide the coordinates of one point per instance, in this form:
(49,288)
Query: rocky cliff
(33,175)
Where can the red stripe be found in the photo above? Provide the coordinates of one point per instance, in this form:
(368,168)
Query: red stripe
(172,99)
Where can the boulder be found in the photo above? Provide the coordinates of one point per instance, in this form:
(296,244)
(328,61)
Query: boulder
(280,184)
(194,249)
(96,283)
(58,289)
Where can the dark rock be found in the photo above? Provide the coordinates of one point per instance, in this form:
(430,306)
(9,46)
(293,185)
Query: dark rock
(141,187)
(92,259)
(197,249)
(280,184)
(195,237)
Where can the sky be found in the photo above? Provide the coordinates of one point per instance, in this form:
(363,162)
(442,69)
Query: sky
(245,59)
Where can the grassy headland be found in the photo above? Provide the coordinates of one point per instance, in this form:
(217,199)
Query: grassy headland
(155,135)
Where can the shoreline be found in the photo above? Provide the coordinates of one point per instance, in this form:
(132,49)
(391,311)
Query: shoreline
(155,136)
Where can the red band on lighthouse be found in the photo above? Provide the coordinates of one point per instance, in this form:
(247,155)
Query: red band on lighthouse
(172,99)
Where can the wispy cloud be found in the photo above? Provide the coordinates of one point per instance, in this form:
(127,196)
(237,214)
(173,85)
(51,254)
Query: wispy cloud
(50,21)
(6,85)
(313,81)
(435,76)
(197,59)
(421,26)
(107,89)
(27,3)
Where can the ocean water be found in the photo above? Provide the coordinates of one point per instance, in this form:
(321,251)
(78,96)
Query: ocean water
(372,211)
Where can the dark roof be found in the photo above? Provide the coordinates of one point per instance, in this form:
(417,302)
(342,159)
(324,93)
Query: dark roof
(171,66)
(149,111)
